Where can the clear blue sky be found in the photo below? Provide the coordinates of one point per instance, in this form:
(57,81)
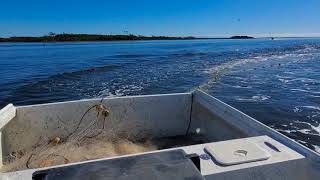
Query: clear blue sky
(161,17)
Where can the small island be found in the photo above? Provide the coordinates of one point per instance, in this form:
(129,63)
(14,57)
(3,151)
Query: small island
(241,37)
(52,37)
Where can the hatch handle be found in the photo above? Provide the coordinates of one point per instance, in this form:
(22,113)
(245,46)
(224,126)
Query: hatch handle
(271,146)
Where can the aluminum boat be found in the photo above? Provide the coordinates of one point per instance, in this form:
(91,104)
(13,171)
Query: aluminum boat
(198,136)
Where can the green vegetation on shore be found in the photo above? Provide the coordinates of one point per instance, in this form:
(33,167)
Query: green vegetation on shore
(51,37)
(241,37)
(87,37)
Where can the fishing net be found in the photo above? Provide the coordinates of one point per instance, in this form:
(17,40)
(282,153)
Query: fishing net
(87,141)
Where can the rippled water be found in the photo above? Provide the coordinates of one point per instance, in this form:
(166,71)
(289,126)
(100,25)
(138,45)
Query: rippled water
(277,82)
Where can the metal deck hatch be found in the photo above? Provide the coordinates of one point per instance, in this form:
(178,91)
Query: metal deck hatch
(236,152)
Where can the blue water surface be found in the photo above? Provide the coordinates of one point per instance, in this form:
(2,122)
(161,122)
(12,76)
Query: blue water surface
(277,82)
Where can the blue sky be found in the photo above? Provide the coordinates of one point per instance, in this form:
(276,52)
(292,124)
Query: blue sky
(212,18)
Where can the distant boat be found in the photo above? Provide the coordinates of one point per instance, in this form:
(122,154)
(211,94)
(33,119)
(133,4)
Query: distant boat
(272,38)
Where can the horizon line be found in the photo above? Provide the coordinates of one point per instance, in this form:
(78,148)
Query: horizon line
(262,35)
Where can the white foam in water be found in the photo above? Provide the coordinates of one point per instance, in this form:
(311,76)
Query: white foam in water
(316,148)
(261,98)
(314,96)
(242,87)
(121,91)
(218,71)
(261,58)
(315,128)
(312,107)
(229,65)
(253,98)
(287,72)
(308,91)
(284,80)
(308,80)
(298,109)
(304,80)
(295,129)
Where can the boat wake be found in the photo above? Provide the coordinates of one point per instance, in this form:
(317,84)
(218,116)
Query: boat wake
(264,60)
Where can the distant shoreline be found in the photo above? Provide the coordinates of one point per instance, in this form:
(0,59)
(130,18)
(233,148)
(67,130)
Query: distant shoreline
(96,38)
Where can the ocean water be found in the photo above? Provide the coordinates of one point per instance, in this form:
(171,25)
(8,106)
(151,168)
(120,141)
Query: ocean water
(277,82)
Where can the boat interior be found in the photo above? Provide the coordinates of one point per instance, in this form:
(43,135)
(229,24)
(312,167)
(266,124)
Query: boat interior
(221,141)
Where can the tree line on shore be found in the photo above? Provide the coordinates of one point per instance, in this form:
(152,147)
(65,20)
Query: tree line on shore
(51,37)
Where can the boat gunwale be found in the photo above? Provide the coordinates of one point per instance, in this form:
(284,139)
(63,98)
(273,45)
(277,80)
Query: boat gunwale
(264,128)
(102,98)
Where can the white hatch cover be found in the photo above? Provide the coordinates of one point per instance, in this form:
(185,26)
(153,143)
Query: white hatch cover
(236,152)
